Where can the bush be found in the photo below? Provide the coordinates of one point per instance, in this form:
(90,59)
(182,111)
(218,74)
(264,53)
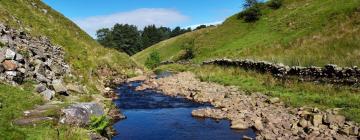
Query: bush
(275,4)
(251,14)
(153,60)
(99,124)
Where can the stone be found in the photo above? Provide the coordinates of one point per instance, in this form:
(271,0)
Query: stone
(258,124)
(32,121)
(75,88)
(48,94)
(317,120)
(92,108)
(239,124)
(274,100)
(11,73)
(75,116)
(96,136)
(303,123)
(9,65)
(9,54)
(354,130)
(335,119)
(2,55)
(41,78)
(247,138)
(19,57)
(40,88)
(22,70)
(59,87)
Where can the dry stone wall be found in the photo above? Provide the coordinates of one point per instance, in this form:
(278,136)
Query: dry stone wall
(329,73)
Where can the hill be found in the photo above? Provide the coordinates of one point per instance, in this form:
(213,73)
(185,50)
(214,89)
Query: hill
(84,55)
(301,32)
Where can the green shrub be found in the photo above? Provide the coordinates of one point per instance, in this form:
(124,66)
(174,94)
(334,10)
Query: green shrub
(153,60)
(275,4)
(99,124)
(251,14)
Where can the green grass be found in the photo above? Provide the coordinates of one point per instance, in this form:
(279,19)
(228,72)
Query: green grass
(84,54)
(292,92)
(302,32)
(14,101)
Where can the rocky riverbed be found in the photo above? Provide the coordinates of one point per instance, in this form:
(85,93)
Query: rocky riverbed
(270,117)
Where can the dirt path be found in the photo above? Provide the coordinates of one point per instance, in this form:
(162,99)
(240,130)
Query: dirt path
(268,116)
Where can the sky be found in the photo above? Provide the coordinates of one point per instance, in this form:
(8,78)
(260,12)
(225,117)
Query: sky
(92,15)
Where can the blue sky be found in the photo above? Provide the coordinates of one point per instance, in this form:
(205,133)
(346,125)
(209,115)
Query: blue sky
(91,15)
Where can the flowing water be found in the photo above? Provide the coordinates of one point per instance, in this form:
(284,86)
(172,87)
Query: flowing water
(153,116)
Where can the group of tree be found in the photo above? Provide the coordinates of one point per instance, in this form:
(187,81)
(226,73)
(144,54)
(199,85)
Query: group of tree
(252,9)
(129,39)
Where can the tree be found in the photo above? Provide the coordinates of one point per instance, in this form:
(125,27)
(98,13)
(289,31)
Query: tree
(275,4)
(252,11)
(153,60)
(126,38)
(250,3)
(104,37)
(200,27)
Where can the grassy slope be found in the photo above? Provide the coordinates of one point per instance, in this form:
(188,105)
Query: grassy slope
(303,32)
(83,53)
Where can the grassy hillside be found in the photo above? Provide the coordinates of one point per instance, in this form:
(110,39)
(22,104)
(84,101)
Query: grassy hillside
(302,32)
(83,53)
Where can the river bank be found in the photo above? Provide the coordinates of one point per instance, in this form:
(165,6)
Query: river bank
(269,116)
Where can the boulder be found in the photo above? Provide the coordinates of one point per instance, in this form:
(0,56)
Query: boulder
(335,119)
(40,88)
(92,108)
(75,116)
(9,65)
(239,124)
(48,94)
(11,73)
(59,87)
(9,54)
(75,88)
(19,57)
(41,78)
(317,120)
(79,114)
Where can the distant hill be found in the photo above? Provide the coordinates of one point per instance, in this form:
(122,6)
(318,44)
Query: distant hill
(301,32)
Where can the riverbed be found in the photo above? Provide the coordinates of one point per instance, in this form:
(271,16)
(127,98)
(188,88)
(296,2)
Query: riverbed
(154,116)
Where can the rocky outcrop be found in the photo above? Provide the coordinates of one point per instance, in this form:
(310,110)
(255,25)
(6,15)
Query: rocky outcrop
(330,73)
(79,114)
(23,57)
(267,115)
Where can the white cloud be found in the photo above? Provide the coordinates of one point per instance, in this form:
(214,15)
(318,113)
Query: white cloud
(207,24)
(139,17)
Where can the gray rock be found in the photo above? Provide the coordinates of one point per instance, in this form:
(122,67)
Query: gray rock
(22,70)
(40,88)
(79,114)
(19,57)
(2,55)
(10,73)
(75,88)
(41,78)
(59,87)
(48,94)
(75,116)
(9,54)
(92,108)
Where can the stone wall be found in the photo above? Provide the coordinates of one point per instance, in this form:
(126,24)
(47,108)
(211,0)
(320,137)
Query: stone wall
(23,57)
(330,73)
